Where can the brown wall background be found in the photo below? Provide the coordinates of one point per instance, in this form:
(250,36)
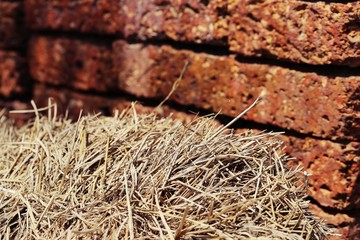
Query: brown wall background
(99,55)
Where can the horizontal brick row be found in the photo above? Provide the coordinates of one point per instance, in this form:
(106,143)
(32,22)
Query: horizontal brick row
(334,166)
(12,26)
(291,30)
(13,74)
(302,101)
(177,20)
(299,31)
(305,102)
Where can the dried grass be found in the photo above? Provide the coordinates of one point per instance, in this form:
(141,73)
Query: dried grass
(139,177)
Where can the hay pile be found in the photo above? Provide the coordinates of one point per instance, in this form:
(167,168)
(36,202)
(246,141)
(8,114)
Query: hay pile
(138,177)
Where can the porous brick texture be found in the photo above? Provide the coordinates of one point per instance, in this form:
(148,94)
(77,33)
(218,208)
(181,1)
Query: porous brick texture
(71,103)
(291,30)
(299,31)
(14,80)
(12,30)
(334,169)
(192,21)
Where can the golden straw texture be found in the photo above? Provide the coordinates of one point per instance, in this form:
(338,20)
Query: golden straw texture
(141,177)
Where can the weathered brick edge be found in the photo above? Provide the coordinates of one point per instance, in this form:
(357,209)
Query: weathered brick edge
(299,31)
(291,30)
(333,166)
(305,102)
(13,74)
(12,26)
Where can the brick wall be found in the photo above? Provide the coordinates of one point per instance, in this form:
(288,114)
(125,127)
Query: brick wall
(100,55)
(15,85)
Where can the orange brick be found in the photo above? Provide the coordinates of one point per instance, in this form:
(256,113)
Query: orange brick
(13,76)
(84,65)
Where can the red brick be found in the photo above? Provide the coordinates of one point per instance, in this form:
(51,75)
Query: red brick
(186,20)
(193,21)
(309,32)
(84,65)
(13,79)
(12,27)
(302,101)
(93,16)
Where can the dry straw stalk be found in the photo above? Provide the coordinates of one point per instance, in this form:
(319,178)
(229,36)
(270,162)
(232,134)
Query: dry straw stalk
(140,177)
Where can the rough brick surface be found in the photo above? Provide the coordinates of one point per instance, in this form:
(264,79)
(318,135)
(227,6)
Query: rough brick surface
(304,102)
(186,20)
(13,77)
(334,168)
(84,65)
(310,32)
(12,29)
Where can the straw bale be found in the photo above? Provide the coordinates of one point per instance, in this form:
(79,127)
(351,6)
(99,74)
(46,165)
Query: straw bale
(136,176)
